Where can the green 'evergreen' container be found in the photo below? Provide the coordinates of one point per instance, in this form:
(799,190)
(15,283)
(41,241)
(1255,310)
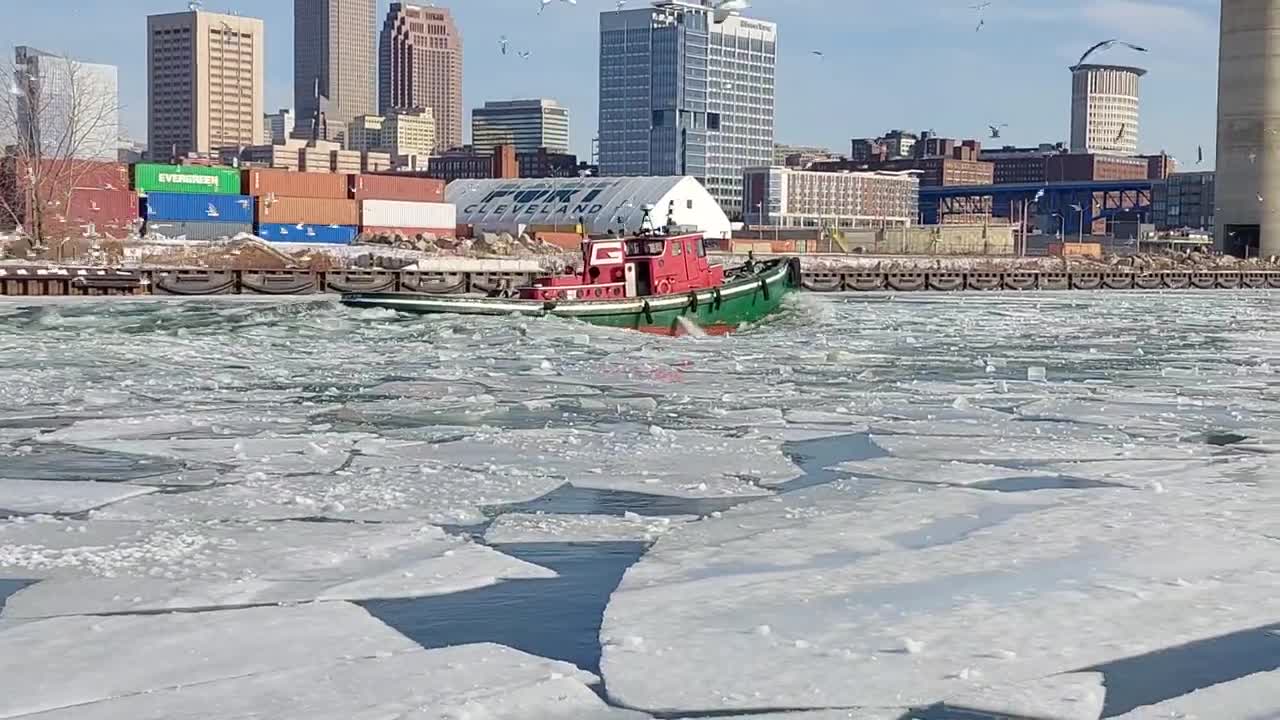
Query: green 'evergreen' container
(149,177)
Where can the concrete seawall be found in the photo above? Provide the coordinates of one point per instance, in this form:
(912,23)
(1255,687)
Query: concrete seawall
(33,281)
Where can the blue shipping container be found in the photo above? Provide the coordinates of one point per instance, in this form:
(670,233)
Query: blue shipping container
(188,207)
(302,233)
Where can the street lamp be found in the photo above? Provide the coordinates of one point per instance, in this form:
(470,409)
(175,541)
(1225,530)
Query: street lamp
(1080,211)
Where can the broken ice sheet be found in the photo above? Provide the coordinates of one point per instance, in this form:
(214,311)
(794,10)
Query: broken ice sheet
(55,497)
(934,472)
(383,488)
(469,681)
(925,594)
(316,453)
(539,528)
(109,566)
(1071,696)
(1023,451)
(678,460)
(72,661)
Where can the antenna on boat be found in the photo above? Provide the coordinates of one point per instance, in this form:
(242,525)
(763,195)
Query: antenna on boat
(646,219)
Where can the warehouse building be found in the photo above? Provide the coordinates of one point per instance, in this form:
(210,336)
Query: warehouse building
(600,205)
(785,197)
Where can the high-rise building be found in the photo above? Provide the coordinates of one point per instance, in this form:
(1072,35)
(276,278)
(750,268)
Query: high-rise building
(527,124)
(205,82)
(277,127)
(66,108)
(400,133)
(1104,109)
(1247,189)
(787,197)
(687,90)
(333,64)
(420,66)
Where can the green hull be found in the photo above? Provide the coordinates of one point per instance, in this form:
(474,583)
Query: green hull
(743,299)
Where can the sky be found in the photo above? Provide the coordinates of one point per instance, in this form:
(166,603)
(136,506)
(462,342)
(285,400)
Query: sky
(916,66)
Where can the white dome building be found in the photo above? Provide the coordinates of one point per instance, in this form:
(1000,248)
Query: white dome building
(602,205)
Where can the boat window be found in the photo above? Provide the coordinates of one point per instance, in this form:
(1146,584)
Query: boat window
(676,247)
(700,247)
(638,248)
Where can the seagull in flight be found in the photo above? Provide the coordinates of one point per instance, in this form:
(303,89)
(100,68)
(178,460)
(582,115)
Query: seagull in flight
(1199,154)
(980,6)
(981,22)
(995,129)
(819,53)
(1120,135)
(622,4)
(1107,45)
(502,43)
(524,54)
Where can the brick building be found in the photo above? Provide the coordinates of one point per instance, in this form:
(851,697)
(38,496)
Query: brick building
(466,163)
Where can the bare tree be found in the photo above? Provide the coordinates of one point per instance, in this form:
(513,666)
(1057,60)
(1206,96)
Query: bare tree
(62,119)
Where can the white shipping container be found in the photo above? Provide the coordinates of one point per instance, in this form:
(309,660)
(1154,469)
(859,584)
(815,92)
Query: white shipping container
(403,214)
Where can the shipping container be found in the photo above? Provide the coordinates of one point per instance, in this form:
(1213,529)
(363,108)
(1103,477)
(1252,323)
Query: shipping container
(72,174)
(1076,249)
(408,232)
(303,233)
(185,207)
(569,241)
(399,213)
(198,230)
(314,211)
(397,187)
(261,181)
(112,213)
(148,178)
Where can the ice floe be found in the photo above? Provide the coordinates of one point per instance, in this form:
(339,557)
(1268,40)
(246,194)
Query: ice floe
(933,472)
(536,528)
(52,497)
(926,595)
(111,566)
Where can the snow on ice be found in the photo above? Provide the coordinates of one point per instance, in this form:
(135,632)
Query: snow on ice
(110,566)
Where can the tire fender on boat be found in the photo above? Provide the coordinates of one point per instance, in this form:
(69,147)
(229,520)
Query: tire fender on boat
(715,298)
(648,313)
(764,287)
(693,300)
(664,287)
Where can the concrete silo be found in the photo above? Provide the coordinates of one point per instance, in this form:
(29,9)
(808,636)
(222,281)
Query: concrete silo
(1247,218)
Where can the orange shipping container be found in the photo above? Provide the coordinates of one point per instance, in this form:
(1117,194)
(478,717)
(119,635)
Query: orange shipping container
(262,181)
(564,240)
(315,211)
(1093,250)
(396,187)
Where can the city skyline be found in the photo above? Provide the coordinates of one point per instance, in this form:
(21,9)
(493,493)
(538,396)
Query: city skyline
(948,77)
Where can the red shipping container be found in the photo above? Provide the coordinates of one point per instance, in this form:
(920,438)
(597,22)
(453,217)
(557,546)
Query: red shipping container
(113,213)
(286,183)
(58,177)
(396,187)
(409,232)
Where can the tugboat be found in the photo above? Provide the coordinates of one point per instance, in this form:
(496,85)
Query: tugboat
(657,281)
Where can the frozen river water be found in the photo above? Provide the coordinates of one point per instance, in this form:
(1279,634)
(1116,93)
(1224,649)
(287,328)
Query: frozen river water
(937,506)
